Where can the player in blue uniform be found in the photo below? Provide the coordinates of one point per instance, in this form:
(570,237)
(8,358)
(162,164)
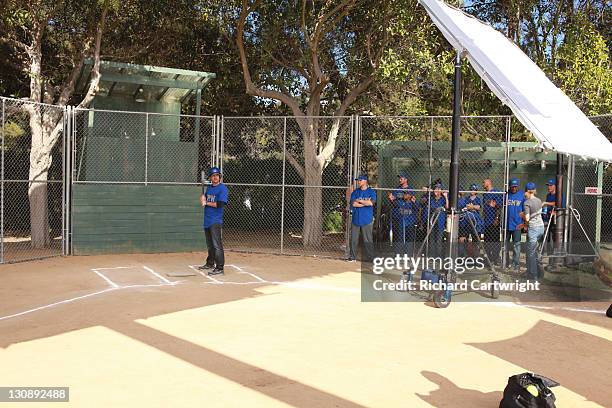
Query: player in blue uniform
(214,203)
(438,204)
(548,210)
(492,205)
(514,209)
(407,223)
(362,201)
(404,213)
(471,224)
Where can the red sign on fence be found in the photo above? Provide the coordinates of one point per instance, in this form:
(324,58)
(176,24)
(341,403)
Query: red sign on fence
(592,190)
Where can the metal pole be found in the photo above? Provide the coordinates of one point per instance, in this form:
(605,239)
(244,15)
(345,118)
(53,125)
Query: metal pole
(559,219)
(64,189)
(569,189)
(506,177)
(456,132)
(598,212)
(197,112)
(146,175)
(222,142)
(2,189)
(454,164)
(282,237)
(73,156)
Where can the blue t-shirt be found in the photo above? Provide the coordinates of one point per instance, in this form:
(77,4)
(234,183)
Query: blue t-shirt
(551,197)
(437,203)
(490,213)
(398,194)
(424,208)
(514,206)
(214,194)
(407,213)
(473,215)
(363,215)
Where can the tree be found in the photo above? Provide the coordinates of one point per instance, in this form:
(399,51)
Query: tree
(312,52)
(75,31)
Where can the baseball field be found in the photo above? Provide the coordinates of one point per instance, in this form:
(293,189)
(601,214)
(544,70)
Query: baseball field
(128,331)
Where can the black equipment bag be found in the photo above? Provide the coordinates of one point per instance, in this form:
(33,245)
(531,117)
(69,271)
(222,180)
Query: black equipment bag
(528,390)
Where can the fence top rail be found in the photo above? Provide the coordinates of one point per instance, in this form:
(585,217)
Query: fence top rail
(436,117)
(142,113)
(286,117)
(27,101)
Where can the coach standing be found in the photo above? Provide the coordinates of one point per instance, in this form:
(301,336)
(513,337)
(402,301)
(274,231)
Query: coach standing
(214,203)
(362,202)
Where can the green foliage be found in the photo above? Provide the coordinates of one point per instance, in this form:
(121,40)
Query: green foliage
(584,72)
(332,223)
(11,133)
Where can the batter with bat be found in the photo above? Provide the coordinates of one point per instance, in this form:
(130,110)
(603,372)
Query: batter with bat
(214,199)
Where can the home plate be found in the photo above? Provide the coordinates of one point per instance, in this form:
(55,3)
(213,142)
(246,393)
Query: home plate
(181,274)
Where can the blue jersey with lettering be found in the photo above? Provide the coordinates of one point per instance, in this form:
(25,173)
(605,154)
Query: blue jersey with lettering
(438,203)
(363,215)
(514,207)
(407,213)
(473,215)
(214,194)
(424,209)
(398,194)
(491,213)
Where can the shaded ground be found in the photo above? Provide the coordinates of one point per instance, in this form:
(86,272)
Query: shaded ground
(278,331)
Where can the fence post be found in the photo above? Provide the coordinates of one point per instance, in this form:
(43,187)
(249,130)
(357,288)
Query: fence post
(600,170)
(282,231)
(506,188)
(146,175)
(2,189)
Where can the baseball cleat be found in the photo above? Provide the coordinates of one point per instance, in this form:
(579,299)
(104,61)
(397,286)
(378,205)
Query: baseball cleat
(206,266)
(216,271)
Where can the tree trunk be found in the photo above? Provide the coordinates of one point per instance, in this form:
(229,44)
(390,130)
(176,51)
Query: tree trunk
(40,162)
(313,210)
(313,198)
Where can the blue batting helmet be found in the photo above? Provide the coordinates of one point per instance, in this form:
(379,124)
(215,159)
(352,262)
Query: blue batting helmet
(214,170)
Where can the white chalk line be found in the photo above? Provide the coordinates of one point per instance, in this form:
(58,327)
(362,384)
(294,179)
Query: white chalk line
(58,303)
(297,285)
(103,276)
(113,287)
(194,267)
(161,278)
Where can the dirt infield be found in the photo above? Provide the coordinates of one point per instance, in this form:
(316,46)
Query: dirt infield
(278,331)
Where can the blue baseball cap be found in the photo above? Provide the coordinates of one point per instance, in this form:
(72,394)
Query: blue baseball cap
(530,186)
(474,187)
(514,183)
(403,174)
(214,170)
(438,185)
(551,182)
(362,177)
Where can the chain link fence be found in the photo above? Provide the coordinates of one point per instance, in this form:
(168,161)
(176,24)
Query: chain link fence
(135,180)
(288,179)
(32,180)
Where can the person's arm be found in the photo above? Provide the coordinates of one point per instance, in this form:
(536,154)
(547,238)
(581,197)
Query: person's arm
(203,200)
(445,195)
(216,204)
(526,213)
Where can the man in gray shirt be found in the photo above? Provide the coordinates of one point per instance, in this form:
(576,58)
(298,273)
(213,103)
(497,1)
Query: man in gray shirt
(532,214)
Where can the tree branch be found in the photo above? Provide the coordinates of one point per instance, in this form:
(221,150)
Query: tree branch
(95,70)
(251,89)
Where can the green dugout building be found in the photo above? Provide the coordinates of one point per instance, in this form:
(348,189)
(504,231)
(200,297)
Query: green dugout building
(136,161)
